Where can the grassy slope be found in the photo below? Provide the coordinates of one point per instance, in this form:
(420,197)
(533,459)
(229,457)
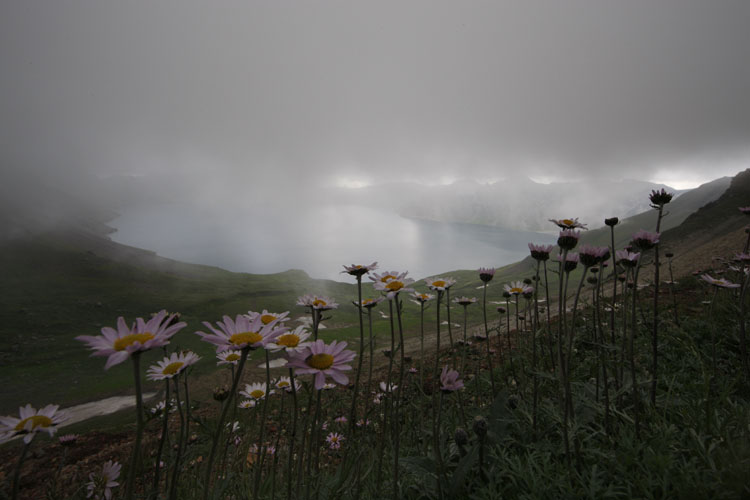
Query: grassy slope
(72,284)
(60,290)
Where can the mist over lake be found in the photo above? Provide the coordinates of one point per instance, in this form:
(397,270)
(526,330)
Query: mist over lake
(318,239)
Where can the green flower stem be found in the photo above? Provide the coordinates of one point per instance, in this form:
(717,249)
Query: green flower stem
(633,328)
(17,472)
(353,412)
(262,433)
(182,439)
(487,337)
(164,431)
(130,488)
(399,395)
(292,437)
(450,326)
(220,423)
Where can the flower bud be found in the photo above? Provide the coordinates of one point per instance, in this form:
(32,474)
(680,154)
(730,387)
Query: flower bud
(613,221)
(221,393)
(461,436)
(480,426)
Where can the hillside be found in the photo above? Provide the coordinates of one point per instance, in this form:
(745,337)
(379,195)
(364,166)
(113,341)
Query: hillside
(63,285)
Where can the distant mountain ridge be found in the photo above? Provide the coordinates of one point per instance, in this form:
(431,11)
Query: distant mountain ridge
(514,203)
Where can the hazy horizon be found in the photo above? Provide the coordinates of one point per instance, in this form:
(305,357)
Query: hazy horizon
(281,103)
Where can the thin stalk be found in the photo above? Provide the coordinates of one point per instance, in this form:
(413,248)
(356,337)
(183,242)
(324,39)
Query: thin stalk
(368,392)
(561,358)
(463,350)
(220,424)
(136,357)
(614,293)
(655,331)
(164,431)
(633,327)
(487,337)
(183,433)
(187,408)
(314,446)
(353,412)
(399,395)
(438,454)
(261,436)
(534,325)
(292,437)
(548,306)
(743,341)
(17,472)
(450,325)
(674,296)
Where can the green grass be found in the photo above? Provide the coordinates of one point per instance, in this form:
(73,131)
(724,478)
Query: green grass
(60,290)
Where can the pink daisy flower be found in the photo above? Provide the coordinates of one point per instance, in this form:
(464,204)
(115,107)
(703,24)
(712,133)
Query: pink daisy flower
(591,256)
(241,333)
(119,344)
(291,341)
(387,276)
(721,282)
(449,380)
(568,239)
(334,440)
(486,274)
(100,485)
(323,360)
(568,223)
(440,284)
(229,357)
(31,422)
(171,366)
(267,317)
(317,302)
(370,303)
(626,258)
(540,252)
(421,298)
(645,239)
(359,270)
(393,286)
(518,288)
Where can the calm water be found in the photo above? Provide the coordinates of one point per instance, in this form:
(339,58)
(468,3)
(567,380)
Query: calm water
(318,240)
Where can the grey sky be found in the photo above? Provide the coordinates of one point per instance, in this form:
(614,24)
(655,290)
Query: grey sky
(281,92)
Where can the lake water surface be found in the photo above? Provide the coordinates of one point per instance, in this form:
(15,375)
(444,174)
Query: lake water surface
(319,240)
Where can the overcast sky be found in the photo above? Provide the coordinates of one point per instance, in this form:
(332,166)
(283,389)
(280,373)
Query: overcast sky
(283,93)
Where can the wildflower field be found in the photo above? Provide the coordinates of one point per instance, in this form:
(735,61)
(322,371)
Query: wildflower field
(597,374)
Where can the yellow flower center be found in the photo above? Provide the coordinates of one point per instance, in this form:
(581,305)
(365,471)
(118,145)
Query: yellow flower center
(36,421)
(257,394)
(438,283)
(245,338)
(394,286)
(388,277)
(232,357)
(516,290)
(282,383)
(423,296)
(123,342)
(320,361)
(319,303)
(172,368)
(288,340)
(568,222)
(267,318)
(366,302)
